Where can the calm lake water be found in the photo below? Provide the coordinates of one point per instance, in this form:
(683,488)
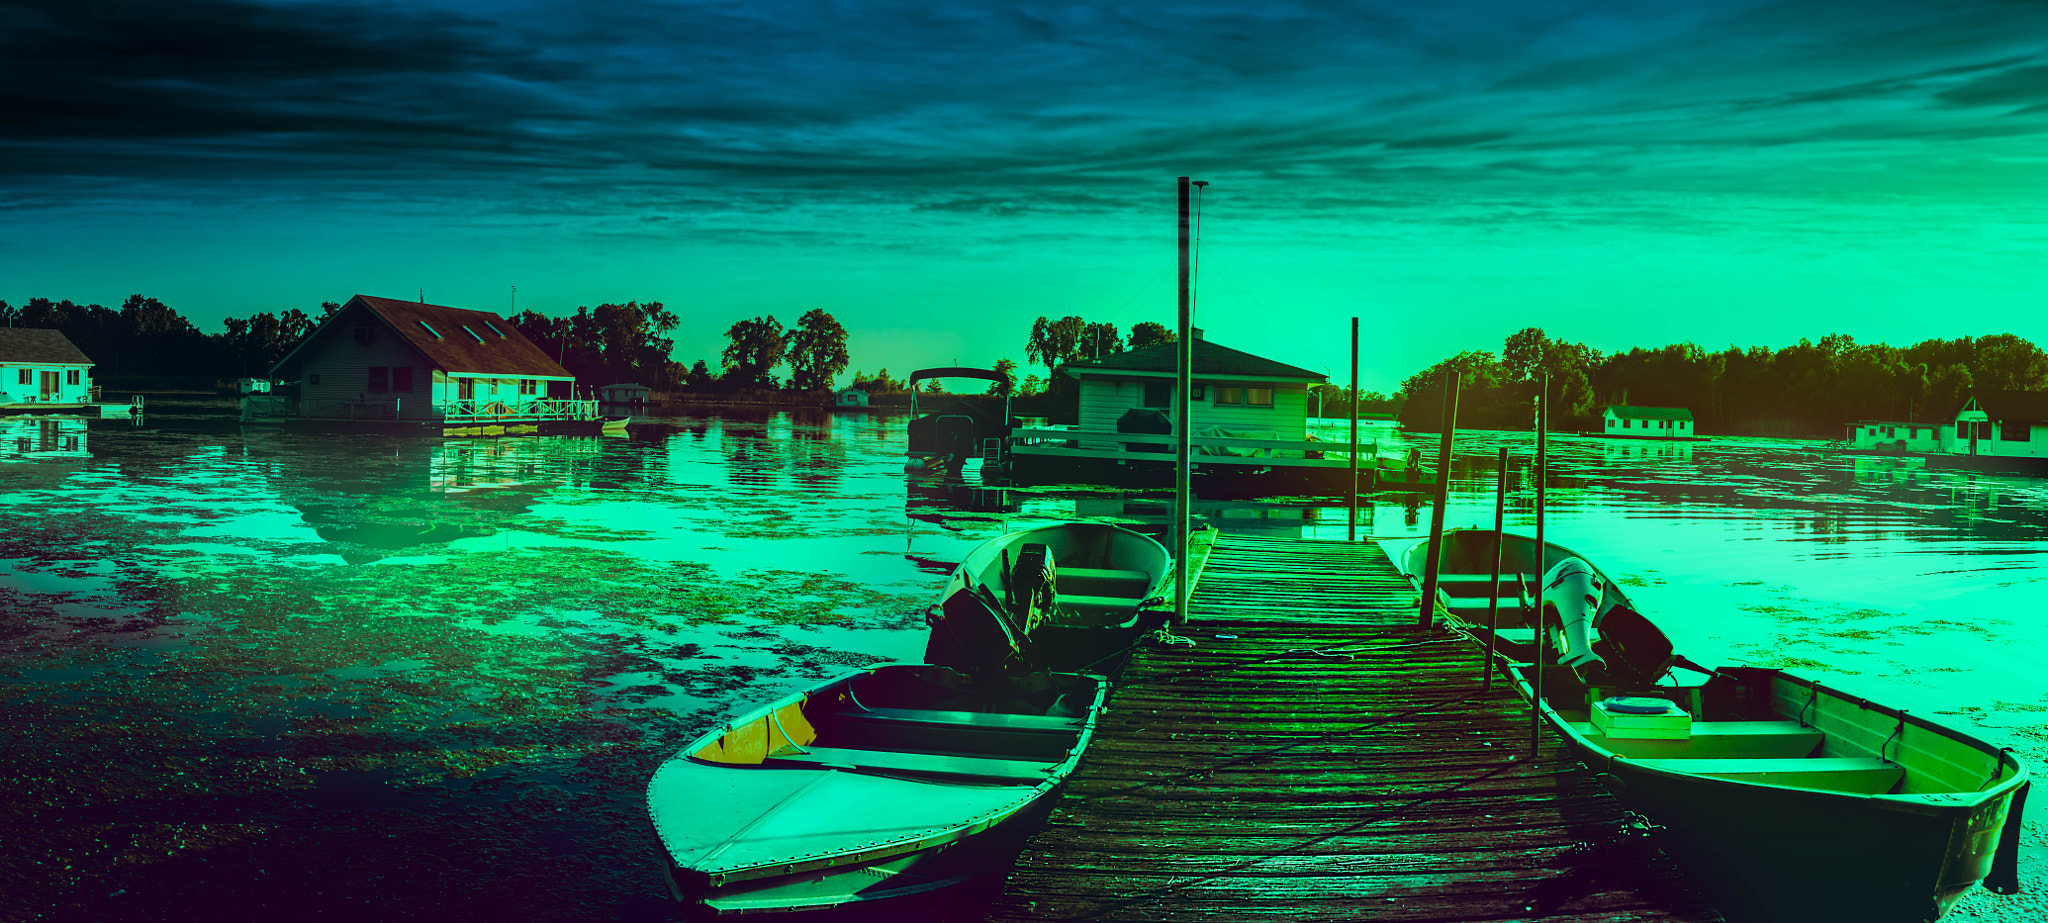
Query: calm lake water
(374,678)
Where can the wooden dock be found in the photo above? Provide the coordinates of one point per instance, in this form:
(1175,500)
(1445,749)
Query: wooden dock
(1313,756)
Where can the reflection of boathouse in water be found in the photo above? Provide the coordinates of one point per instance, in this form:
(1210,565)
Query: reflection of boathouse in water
(384,365)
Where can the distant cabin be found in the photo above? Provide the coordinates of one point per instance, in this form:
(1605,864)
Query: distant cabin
(1896,436)
(1231,392)
(383,358)
(850,398)
(39,366)
(1647,422)
(2005,424)
(624,394)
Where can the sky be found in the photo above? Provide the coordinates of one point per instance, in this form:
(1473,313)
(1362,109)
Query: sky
(939,176)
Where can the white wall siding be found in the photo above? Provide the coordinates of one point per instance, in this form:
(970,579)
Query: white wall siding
(343,366)
(1103,402)
(1287,418)
(12,391)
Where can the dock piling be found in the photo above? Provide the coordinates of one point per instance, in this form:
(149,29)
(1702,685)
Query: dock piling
(1500,506)
(1443,493)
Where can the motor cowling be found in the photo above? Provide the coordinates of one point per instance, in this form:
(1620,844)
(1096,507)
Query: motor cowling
(1571,597)
(971,632)
(1033,587)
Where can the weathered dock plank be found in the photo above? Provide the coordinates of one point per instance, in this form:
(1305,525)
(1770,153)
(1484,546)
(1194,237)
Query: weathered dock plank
(1312,756)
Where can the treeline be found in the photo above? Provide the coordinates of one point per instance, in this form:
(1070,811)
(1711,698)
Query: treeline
(147,337)
(1806,389)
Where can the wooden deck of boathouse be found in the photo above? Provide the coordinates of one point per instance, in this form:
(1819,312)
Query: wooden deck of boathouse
(1313,756)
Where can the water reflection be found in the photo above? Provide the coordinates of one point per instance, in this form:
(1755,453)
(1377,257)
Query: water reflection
(41,438)
(504,635)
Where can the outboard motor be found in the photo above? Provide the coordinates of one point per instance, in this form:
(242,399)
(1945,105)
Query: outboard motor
(1571,598)
(971,632)
(1033,591)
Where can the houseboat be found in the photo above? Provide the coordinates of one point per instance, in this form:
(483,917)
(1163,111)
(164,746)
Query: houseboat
(1893,437)
(848,399)
(43,372)
(1622,421)
(386,365)
(1996,430)
(1247,416)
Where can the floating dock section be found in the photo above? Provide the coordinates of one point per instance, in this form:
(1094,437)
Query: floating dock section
(1313,755)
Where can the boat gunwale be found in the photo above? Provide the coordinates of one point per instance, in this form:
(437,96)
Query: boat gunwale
(1057,774)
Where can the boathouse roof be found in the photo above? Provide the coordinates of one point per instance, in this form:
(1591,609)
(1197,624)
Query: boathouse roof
(454,340)
(1628,412)
(1209,360)
(39,345)
(2012,406)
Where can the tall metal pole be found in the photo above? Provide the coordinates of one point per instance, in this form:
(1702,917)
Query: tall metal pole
(1542,469)
(1353,532)
(1443,493)
(1183,356)
(1500,511)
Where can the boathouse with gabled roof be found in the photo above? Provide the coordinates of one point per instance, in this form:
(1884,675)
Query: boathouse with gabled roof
(42,366)
(2000,423)
(388,359)
(1230,390)
(1647,422)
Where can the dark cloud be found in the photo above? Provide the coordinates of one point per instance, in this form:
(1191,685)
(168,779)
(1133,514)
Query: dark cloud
(2018,86)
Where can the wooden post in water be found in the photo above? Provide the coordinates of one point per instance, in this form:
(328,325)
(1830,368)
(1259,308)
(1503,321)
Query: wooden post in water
(1500,509)
(1542,464)
(1353,532)
(1183,354)
(1436,517)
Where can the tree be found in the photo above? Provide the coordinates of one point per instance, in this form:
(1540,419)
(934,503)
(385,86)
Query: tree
(252,346)
(1031,386)
(1054,343)
(756,349)
(1522,354)
(817,351)
(1098,340)
(698,378)
(1150,333)
(1008,371)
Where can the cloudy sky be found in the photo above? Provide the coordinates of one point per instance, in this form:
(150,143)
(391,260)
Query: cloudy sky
(938,176)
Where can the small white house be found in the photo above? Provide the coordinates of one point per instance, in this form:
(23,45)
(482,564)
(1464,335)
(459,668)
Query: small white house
(40,366)
(1892,435)
(1647,422)
(628,393)
(850,399)
(2002,424)
(1232,392)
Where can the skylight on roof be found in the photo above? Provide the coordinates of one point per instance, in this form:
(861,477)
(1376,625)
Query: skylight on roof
(472,333)
(494,328)
(430,329)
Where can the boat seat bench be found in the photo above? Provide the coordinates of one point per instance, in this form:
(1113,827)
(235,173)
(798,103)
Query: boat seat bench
(965,718)
(1724,740)
(1102,573)
(1860,775)
(893,761)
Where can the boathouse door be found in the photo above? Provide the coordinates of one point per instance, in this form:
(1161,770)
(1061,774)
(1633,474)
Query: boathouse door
(465,389)
(49,386)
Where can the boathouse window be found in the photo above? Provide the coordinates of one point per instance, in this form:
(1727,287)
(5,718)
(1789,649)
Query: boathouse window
(430,329)
(380,379)
(27,377)
(472,333)
(71,377)
(1249,397)
(2013,432)
(494,328)
(1158,393)
(527,386)
(401,378)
